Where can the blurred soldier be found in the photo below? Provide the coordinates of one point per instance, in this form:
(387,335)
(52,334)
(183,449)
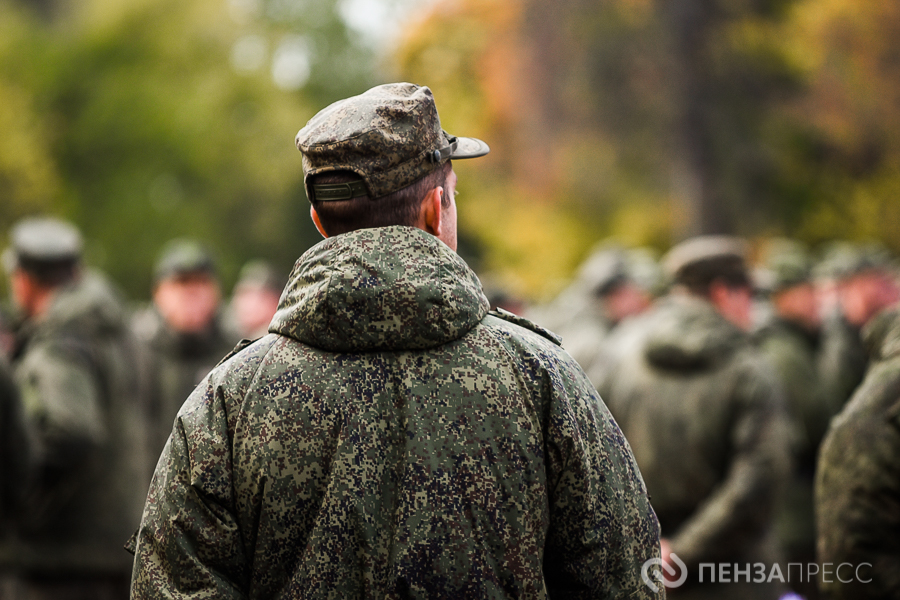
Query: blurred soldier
(605,292)
(858,479)
(789,339)
(182,334)
(390,438)
(703,413)
(75,367)
(856,283)
(255,299)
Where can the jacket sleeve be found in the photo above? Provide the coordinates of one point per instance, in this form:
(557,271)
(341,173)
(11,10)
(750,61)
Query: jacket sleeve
(858,503)
(188,543)
(602,527)
(741,506)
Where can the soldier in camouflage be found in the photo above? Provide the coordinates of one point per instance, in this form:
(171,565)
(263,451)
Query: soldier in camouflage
(703,413)
(391,438)
(858,478)
(790,340)
(182,335)
(74,365)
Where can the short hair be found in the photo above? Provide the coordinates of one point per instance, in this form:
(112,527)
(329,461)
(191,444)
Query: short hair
(397,208)
(729,271)
(50,274)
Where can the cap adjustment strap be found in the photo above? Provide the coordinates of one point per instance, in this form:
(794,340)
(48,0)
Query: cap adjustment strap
(329,192)
(444,153)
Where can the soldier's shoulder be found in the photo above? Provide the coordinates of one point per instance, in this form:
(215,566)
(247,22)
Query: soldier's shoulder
(504,316)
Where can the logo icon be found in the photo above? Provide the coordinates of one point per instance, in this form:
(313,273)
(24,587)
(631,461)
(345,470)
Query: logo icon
(658,572)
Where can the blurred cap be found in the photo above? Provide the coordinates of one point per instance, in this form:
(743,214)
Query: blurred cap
(843,259)
(603,270)
(390,136)
(260,274)
(182,257)
(700,260)
(42,240)
(785,263)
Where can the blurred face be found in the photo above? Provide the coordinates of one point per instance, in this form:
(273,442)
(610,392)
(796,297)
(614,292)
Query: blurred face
(254,307)
(799,303)
(188,302)
(627,300)
(866,294)
(733,303)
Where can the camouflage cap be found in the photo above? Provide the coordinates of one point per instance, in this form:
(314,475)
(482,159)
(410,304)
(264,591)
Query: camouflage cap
(604,269)
(181,257)
(390,136)
(42,240)
(260,274)
(786,263)
(700,260)
(843,259)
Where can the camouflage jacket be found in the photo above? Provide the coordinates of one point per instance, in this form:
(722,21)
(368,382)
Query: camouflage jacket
(858,479)
(390,439)
(172,365)
(792,351)
(75,369)
(704,416)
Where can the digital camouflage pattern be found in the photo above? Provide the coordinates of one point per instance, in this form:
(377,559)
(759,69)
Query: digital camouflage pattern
(703,414)
(74,367)
(858,480)
(387,136)
(390,438)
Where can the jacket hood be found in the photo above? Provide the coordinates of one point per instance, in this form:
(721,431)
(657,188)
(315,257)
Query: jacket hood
(91,304)
(881,335)
(688,333)
(387,288)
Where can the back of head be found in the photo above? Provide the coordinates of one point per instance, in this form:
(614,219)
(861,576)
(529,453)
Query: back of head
(47,249)
(368,159)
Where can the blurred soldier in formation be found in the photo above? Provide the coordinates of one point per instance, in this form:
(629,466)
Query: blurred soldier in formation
(74,366)
(390,437)
(858,479)
(856,282)
(703,412)
(255,299)
(612,285)
(789,339)
(182,334)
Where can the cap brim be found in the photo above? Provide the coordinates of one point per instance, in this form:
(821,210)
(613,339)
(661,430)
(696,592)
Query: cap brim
(469,148)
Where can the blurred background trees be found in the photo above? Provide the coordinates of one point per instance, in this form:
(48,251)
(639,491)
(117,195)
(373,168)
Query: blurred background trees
(644,120)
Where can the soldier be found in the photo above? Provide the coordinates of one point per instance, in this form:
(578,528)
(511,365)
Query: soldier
(703,413)
(789,339)
(858,479)
(255,299)
(182,334)
(856,283)
(607,290)
(390,437)
(74,367)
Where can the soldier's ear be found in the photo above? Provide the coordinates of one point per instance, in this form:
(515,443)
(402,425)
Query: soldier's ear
(318,223)
(430,212)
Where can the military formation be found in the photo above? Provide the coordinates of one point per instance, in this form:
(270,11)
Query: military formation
(373,425)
